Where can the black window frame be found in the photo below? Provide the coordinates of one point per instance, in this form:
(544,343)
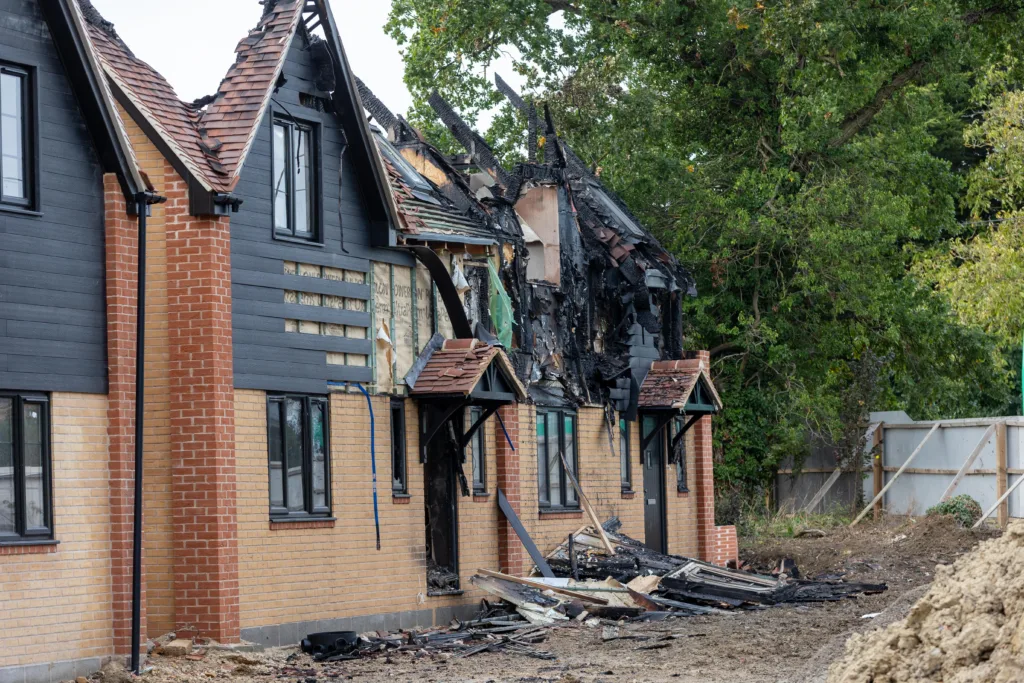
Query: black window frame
(625,461)
(399,449)
(310,509)
(29,140)
(316,237)
(23,535)
(544,484)
(678,424)
(478,448)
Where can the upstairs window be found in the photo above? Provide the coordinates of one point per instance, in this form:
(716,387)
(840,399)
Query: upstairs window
(399,477)
(300,479)
(296,188)
(625,467)
(25,506)
(15,138)
(556,437)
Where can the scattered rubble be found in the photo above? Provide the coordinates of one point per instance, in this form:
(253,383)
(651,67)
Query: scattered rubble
(969,626)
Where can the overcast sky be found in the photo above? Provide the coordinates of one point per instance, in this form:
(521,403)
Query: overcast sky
(192,42)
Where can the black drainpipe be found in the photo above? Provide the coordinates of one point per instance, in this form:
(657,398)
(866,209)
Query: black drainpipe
(142,202)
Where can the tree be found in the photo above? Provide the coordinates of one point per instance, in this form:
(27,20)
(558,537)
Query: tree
(799,156)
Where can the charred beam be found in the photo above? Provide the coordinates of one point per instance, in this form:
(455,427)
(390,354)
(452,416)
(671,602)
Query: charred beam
(477,147)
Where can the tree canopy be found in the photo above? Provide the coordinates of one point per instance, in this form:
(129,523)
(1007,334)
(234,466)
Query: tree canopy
(815,163)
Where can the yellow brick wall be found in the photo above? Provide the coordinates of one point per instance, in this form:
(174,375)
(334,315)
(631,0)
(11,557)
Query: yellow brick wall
(600,480)
(159,540)
(288,575)
(55,605)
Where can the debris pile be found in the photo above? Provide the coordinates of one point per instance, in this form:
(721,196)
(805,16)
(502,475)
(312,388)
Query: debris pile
(968,627)
(496,628)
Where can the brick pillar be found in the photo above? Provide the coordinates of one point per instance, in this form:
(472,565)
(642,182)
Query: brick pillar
(203,481)
(511,554)
(122,249)
(705,480)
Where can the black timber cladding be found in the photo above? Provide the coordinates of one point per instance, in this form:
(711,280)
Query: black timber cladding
(52,286)
(266,357)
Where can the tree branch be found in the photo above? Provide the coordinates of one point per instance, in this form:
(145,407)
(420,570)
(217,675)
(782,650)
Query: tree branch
(727,347)
(856,121)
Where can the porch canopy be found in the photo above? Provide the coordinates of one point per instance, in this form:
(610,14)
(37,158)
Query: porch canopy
(678,387)
(453,374)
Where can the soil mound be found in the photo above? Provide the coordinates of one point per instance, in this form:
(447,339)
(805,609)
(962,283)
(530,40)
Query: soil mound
(968,628)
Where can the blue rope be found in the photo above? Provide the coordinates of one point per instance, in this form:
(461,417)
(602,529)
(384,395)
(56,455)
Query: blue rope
(507,437)
(373,460)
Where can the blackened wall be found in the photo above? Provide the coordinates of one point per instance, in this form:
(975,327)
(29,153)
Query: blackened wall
(52,299)
(265,355)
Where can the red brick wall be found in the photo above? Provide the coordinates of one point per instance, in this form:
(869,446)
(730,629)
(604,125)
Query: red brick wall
(202,420)
(511,554)
(122,282)
(725,546)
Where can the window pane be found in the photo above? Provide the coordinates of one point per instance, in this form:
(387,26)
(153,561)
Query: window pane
(303,182)
(624,451)
(11,131)
(397,450)
(276,455)
(542,459)
(554,461)
(479,475)
(35,482)
(319,439)
(570,458)
(281,170)
(293,454)
(7,523)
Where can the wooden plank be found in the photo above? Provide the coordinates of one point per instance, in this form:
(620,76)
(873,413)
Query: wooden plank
(881,494)
(582,597)
(1004,507)
(587,507)
(826,487)
(1002,499)
(524,536)
(968,464)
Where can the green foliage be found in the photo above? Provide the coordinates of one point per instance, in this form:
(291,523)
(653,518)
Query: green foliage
(964,509)
(806,159)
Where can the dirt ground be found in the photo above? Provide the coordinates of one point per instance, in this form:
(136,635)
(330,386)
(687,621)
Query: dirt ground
(786,643)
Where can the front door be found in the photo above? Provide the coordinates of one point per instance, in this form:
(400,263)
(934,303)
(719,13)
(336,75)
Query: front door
(440,473)
(655,524)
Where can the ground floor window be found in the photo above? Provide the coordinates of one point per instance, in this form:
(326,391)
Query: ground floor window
(625,468)
(479,454)
(556,437)
(679,454)
(399,478)
(26,512)
(297,429)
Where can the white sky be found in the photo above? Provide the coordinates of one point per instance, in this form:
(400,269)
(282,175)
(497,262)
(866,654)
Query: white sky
(192,42)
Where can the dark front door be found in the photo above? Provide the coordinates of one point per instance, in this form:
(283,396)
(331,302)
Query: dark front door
(440,472)
(654,488)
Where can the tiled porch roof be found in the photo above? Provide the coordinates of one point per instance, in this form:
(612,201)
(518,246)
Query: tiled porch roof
(669,384)
(457,367)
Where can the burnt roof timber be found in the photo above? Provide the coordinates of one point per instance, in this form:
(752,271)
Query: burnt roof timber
(478,148)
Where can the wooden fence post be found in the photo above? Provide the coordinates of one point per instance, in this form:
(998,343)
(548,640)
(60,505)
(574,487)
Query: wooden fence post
(878,463)
(1001,479)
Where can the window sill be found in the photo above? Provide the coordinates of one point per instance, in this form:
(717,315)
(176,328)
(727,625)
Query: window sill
(303,523)
(481,496)
(20,211)
(682,493)
(628,494)
(298,240)
(561,513)
(442,594)
(28,547)
(401,498)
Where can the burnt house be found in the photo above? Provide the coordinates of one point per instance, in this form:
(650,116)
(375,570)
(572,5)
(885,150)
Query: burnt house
(356,345)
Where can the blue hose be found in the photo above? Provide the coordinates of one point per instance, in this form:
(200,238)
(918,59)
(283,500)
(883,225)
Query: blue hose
(507,437)
(373,460)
